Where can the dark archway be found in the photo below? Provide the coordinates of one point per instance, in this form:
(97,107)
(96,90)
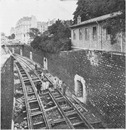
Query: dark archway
(80,88)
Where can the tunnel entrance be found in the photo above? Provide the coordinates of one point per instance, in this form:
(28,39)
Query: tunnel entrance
(80,88)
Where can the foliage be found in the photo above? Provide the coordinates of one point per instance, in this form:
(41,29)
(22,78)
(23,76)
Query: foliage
(12,36)
(2,34)
(35,43)
(33,32)
(88,9)
(55,39)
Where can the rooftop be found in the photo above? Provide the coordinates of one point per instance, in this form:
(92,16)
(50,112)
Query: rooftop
(97,19)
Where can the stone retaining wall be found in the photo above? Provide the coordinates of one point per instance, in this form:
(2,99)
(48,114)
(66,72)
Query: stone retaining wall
(7,86)
(104,75)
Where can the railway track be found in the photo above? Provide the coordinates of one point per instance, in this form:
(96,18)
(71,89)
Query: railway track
(36,117)
(49,109)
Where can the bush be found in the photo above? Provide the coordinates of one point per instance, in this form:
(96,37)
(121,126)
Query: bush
(54,40)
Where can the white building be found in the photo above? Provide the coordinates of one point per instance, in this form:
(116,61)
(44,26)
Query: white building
(23,27)
(4,39)
(43,26)
(92,35)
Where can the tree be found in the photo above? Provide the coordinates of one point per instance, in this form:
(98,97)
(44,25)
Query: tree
(33,33)
(12,36)
(36,42)
(55,39)
(2,34)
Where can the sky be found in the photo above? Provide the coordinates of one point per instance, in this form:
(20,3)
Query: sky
(12,10)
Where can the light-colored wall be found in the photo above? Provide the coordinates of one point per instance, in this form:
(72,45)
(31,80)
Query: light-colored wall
(90,43)
(22,28)
(102,43)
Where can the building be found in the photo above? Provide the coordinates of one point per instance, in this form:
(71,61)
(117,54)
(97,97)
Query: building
(12,31)
(43,26)
(90,34)
(4,39)
(23,27)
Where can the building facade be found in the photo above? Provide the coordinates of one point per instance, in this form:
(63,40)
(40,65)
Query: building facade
(43,26)
(23,27)
(12,31)
(4,39)
(90,34)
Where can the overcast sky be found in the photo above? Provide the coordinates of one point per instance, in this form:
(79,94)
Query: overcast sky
(12,10)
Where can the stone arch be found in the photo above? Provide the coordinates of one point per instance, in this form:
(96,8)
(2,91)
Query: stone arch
(80,88)
(30,55)
(45,63)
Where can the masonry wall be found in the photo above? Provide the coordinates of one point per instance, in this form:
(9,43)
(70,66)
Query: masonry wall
(90,43)
(7,84)
(16,48)
(36,54)
(103,72)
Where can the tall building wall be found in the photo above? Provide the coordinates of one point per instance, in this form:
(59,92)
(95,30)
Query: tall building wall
(43,26)
(23,26)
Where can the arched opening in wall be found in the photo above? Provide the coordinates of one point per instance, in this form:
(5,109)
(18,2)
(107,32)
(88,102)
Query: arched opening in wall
(80,88)
(45,63)
(30,55)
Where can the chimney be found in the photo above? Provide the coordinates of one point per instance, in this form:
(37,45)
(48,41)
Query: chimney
(78,19)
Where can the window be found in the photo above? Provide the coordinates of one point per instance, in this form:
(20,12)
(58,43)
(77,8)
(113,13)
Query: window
(108,33)
(86,34)
(94,33)
(80,34)
(74,34)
